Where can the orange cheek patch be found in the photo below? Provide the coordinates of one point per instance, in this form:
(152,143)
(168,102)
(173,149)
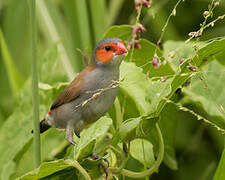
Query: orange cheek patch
(104,56)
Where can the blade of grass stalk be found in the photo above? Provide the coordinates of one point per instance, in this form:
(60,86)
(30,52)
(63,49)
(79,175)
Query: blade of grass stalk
(15,78)
(114,8)
(35,95)
(158,22)
(77,15)
(53,34)
(98,16)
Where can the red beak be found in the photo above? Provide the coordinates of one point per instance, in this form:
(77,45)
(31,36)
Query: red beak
(120,48)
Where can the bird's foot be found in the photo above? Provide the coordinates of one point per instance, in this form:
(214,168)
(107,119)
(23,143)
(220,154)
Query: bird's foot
(71,142)
(95,157)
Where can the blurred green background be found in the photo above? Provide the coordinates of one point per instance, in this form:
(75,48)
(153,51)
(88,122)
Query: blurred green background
(79,24)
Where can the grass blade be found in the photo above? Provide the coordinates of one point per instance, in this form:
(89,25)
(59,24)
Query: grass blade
(54,36)
(35,95)
(15,79)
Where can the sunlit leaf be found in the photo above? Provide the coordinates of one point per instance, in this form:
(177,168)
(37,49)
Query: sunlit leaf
(142,150)
(88,138)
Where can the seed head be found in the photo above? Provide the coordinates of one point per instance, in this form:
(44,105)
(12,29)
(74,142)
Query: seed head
(216,3)
(137,29)
(156,62)
(205,14)
(195,34)
(135,44)
(147,3)
(181,60)
(192,68)
(163,79)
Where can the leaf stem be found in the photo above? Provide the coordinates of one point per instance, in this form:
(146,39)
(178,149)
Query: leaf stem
(75,164)
(35,96)
(119,115)
(155,166)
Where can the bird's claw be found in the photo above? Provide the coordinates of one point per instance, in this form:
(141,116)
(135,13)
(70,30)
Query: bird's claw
(95,157)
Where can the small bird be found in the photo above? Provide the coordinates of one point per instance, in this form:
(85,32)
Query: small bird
(89,96)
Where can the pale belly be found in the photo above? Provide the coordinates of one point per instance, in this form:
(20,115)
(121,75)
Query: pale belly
(98,106)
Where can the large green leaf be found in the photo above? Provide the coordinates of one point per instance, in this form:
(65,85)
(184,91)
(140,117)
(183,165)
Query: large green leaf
(168,125)
(141,57)
(142,150)
(88,138)
(15,133)
(127,130)
(209,92)
(123,32)
(175,50)
(62,169)
(146,94)
(220,172)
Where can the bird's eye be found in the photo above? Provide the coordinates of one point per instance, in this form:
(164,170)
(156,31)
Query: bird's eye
(107,48)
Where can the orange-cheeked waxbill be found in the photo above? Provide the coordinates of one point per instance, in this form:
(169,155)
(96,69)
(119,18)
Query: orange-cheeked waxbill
(75,107)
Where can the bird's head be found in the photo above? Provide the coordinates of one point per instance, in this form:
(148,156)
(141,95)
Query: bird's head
(109,52)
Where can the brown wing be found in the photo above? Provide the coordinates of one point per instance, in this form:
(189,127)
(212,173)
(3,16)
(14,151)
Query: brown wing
(73,90)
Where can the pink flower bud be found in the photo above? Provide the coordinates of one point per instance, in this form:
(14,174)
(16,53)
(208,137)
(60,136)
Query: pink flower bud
(159,43)
(195,34)
(156,62)
(192,68)
(181,60)
(134,44)
(163,79)
(137,29)
(147,3)
(216,3)
(137,4)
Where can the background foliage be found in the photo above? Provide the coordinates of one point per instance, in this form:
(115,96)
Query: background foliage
(67,32)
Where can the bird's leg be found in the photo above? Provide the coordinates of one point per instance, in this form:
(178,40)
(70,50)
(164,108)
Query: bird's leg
(69,134)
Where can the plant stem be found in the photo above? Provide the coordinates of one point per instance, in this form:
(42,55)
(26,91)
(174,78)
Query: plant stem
(75,164)
(155,166)
(15,78)
(35,96)
(119,115)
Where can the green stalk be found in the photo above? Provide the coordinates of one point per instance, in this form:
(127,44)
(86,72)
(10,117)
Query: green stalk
(50,28)
(75,164)
(155,166)
(35,96)
(98,18)
(119,115)
(114,8)
(15,78)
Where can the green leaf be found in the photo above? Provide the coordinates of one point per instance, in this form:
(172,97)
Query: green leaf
(127,130)
(220,172)
(123,32)
(142,150)
(145,93)
(143,58)
(88,138)
(168,126)
(8,169)
(175,50)
(48,169)
(15,133)
(209,92)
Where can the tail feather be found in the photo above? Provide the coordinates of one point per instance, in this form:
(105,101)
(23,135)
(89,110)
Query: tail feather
(43,126)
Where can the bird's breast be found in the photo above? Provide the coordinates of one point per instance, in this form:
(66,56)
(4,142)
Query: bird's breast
(99,94)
